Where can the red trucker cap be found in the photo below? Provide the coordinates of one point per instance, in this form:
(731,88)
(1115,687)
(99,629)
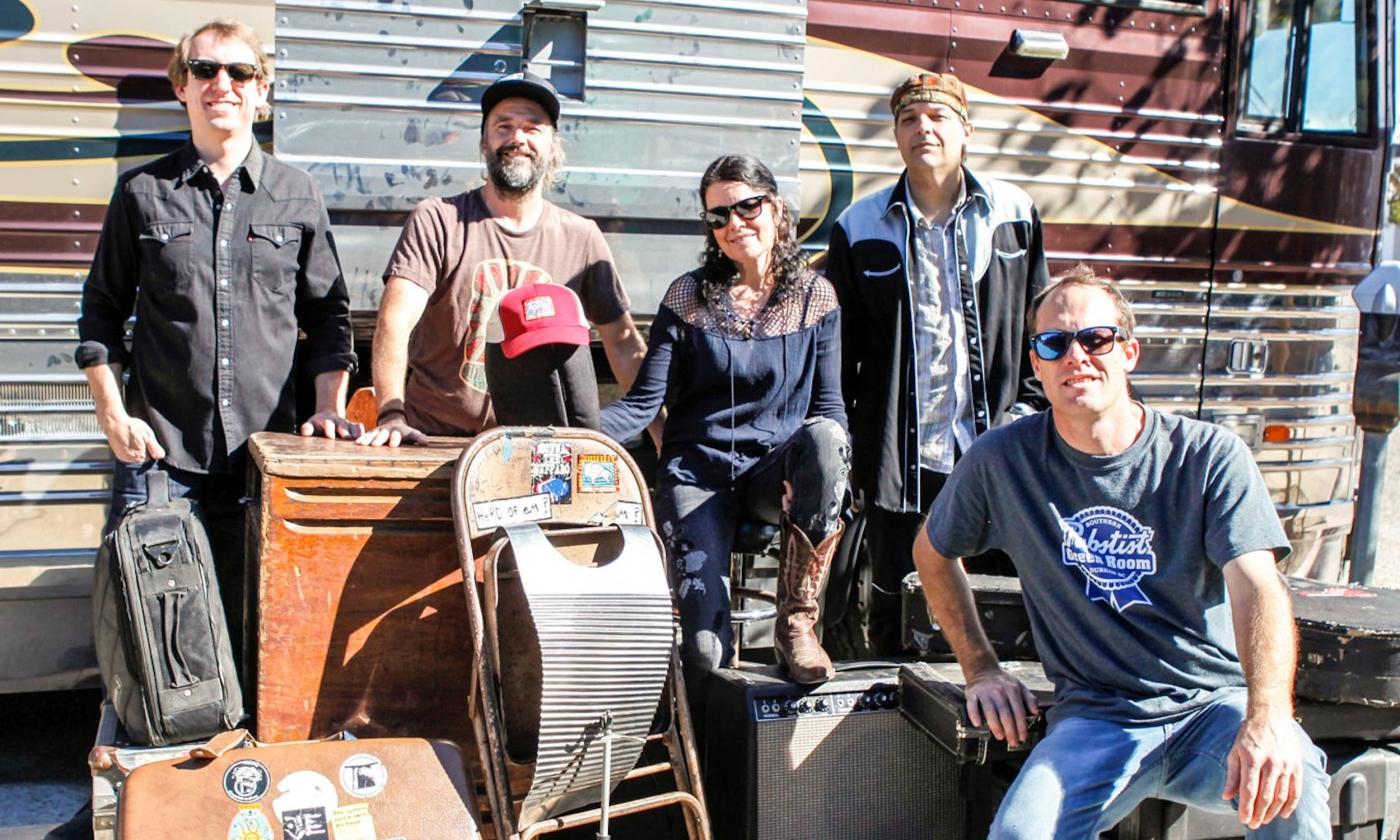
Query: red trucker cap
(538,314)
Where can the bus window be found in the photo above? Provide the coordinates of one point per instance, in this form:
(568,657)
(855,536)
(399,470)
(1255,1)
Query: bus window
(1306,68)
(1334,98)
(1267,76)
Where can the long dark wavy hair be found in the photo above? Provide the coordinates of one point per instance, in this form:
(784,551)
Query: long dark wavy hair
(788,265)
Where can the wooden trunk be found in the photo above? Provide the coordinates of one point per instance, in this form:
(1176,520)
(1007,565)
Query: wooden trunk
(359,614)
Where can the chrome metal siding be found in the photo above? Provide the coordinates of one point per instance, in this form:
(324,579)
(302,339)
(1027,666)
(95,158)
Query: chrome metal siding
(379,103)
(1284,355)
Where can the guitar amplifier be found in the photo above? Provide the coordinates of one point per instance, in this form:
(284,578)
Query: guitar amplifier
(785,761)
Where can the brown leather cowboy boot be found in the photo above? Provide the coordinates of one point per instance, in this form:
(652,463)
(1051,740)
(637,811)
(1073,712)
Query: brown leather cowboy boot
(801,576)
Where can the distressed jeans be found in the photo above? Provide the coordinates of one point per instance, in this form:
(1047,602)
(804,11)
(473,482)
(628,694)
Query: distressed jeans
(1089,773)
(698,524)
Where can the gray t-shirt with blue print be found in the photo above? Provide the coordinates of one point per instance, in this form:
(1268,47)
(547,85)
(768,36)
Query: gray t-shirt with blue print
(1120,557)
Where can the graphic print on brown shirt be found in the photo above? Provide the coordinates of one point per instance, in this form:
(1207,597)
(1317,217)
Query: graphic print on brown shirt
(465,260)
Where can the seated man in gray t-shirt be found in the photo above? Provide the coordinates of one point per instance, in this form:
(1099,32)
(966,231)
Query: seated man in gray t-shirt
(1129,528)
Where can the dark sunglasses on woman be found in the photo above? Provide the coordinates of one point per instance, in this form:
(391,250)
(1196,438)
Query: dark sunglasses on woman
(749,208)
(238,71)
(1096,341)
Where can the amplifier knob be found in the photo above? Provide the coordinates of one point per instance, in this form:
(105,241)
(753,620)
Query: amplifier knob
(821,705)
(803,706)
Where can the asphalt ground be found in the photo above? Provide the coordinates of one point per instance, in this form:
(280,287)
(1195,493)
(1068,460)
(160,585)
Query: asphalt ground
(44,741)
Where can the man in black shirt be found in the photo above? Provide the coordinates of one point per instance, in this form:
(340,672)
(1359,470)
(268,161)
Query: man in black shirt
(225,256)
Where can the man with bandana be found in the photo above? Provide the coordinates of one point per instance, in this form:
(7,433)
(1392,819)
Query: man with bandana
(458,255)
(934,274)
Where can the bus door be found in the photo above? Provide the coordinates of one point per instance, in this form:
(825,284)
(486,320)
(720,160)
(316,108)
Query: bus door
(1302,184)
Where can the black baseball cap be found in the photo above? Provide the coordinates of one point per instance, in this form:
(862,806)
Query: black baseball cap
(524,84)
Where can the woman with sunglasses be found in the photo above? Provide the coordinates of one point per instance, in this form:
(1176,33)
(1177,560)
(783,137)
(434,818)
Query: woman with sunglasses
(745,355)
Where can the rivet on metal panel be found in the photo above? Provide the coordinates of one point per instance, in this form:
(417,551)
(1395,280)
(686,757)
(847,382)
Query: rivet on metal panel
(952,45)
(1132,24)
(284,19)
(1003,10)
(1047,13)
(74,7)
(77,243)
(282,52)
(1122,84)
(77,150)
(979,7)
(76,88)
(1152,24)
(76,182)
(282,115)
(1172,27)
(77,214)
(74,26)
(75,119)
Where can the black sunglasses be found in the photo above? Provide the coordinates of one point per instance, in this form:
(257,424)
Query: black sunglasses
(238,71)
(749,208)
(1096,341)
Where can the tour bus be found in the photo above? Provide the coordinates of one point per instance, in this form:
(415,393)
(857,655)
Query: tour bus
(1225,160)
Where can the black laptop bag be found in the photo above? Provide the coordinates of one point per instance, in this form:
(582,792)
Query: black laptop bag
(162,640)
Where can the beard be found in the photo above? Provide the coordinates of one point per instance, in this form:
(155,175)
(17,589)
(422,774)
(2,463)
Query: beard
(515,176)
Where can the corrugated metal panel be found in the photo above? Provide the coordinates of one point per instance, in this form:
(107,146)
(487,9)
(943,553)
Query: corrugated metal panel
(379,103)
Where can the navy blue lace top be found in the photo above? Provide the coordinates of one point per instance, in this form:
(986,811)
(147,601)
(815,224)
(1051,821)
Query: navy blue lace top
(734,388)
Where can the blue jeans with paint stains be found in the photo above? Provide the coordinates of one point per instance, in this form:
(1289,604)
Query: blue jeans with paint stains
(1089,773)
(698,525)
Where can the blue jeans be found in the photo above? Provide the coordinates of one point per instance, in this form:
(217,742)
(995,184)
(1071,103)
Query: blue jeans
(220,497)
(1088,774)
(697,526)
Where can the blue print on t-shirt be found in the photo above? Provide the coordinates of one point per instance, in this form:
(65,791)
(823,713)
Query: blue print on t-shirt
(1113,550)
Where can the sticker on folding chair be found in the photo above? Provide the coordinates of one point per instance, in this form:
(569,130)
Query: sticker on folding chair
(513,511)
(619,513)
(552,470)
(353,822)
(250,824)
(597,473)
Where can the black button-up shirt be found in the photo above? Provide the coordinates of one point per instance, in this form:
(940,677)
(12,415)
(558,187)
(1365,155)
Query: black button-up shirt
(221,281)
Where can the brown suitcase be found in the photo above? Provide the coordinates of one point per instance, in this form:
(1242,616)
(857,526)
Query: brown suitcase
(234,788)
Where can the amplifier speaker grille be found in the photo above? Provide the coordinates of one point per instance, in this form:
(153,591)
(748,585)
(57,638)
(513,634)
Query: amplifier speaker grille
(865,774)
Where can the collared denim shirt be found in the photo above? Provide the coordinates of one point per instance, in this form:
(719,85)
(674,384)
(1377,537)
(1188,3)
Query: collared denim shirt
(222,281)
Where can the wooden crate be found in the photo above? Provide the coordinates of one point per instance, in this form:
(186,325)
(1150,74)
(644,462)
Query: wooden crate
(359,615)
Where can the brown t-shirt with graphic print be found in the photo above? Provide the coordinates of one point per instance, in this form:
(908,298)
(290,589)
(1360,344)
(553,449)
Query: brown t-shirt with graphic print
(466,261)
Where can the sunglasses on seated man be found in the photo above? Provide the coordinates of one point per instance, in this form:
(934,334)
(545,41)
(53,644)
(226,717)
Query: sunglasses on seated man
(238,71)
(749,208)
(1096,341)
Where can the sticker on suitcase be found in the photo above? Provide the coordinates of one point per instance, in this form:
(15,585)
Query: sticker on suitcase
(250,824)
(246,781)
(552,470)
(353,822)
(597,473)
(364,776)
(305,824)
(305,804)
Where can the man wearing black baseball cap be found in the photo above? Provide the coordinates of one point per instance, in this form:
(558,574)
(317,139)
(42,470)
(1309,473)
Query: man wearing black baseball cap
(457,256)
